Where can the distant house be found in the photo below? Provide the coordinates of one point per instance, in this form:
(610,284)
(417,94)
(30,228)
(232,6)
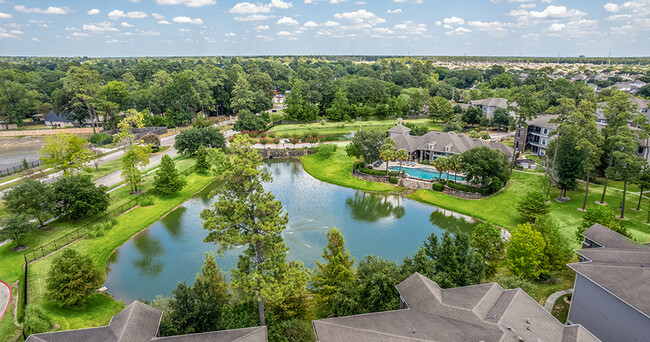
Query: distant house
(536,136)
(484,312)
(630,87)
(611,295)
(57,120)
(640,104)
(489,105)
(139,322)
(438,144)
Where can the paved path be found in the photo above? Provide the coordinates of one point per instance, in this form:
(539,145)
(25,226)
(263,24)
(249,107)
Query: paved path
(552,298)
(5,298)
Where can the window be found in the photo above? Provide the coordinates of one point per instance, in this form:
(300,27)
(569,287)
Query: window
(542,152)
(545,130)
(431,146)
(544,142)
(447,148)
(640,150)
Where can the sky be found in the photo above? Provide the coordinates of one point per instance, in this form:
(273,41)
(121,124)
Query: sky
(124,28)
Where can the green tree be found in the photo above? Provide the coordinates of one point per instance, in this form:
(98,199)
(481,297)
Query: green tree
(167,180)
(72,278)
(135,158)
(189,140)
(525,252)
(65,152)
(294,330)
(245,214)
(202,121)
(331,275)
(472,116)
(16,103)
(198,308)
(487,240)
(502,118)
(77,197)
(440,109)
(604,216)
(242,96)
(376,281)
(590,140)
(387,151)
(487,167)
(340,109)
(643,180)
(401,155)
(365,145)
(627,164)
(16,227)
(557,251)
(31,197)
(456,263)
(202,164)
(526,104)
(180,98)
(247,120)
(133,119)
(81,85)
(533,205)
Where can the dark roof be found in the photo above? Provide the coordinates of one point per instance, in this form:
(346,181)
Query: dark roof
(458,143)
(491,102)
(620,266)
(400,129)
(483,312)
(54,117)
(543,121)
(139,322)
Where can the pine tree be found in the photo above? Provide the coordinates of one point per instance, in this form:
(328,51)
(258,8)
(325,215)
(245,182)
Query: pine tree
(167,181)
(202,165)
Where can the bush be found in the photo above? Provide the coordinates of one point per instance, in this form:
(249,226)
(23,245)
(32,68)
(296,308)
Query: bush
(325,151)
(533,205)
(392,180)
(425,162)
(443,181)
(437,187)
(377,172)
(152,139)
(72,288)
(294,330)
(36,321)
(146,201)
(100,139)
(467,188)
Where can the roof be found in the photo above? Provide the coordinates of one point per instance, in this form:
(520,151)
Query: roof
(483,312)
(458,143)
(491,102)
(54,117)
(543,121)
(400,129)
(620,265)
(139,322)
(640,103)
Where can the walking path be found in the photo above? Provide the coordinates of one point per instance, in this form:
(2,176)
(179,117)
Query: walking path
(552,298)
(5,298)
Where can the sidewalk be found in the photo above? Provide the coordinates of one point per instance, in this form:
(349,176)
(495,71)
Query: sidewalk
(552,298)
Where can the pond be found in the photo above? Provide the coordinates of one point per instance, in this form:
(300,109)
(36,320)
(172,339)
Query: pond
(172,250)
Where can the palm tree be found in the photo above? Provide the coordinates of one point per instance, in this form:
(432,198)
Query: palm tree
(455,163)
(402,155)
(387,151)
(440,165)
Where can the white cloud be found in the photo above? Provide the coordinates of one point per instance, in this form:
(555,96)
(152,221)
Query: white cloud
(264,37)
(99,27)
(410,28)
(284,33)
(458,31)
(453,21)
(148,33)
(164,22)
(93,11)
(188,3)
(361,18)
(262,27)
(395,11)
(184,30)
(286,21)
(492,27)
(611,8)
(256,8)
(549,13)
(382,30)
(310,24)
(253,17)
(34,39)
(4,34)
(80,34)
(500,1)
(49,10)
(5,15)
(331,23)
(157,16)
(117,14)
(125,24)
(187,20)
(230,34)
(330,1)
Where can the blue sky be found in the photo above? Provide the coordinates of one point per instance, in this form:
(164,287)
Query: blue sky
(370,27)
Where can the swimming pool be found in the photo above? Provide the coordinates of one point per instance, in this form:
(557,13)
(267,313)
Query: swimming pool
(426,173)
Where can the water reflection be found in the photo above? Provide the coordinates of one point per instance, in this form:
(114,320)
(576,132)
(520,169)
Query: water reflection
(374,207)
(149,250)
(173,226)
(453,222)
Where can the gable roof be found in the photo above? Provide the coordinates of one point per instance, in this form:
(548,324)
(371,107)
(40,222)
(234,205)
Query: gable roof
(620,266)
(483,312)
(400,129)
(458,143)
(54,117)
(139,322)
(491,102)
(544,121)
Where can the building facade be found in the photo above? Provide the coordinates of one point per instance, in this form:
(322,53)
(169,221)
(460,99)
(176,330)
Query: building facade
(490,105)
(536,136)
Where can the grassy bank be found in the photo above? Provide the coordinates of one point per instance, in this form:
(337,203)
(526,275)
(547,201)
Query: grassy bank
(332,128)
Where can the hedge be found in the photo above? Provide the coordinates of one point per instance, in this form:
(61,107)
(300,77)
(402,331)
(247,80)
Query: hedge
(462,187)
(437,187)
(392,180)
(359,166)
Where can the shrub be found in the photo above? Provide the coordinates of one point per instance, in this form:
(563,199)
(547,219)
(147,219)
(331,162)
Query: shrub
(36,321)
(68,288)
(533,205)
(100,139)
(443,181)
(425,162)
(325,151)
(467,188)
(100,233)
(377,172)
(392,180)
(146,201)
(294,330)
(152,139)
(437,187)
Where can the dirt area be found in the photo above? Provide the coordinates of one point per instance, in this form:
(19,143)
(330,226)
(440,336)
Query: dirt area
(13,150)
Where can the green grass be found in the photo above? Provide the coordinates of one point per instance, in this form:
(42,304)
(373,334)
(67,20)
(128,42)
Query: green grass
(332,128)
(8,329)
(561,309)
(338,170)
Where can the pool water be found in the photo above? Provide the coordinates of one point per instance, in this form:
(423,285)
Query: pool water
(426,173)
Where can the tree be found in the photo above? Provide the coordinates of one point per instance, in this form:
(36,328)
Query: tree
(487,240)
(627,164)
(72,278)
(417,130)
(455,262)
(36,321)
(245,214)
(376,281)
(590,140)
(525,252)
(166,180)
(502,118)
(65,152)
(202,121)
(77,197)
(133,119)
(440,109)
(247,120)
(242,96)
(526,104)
(152,139)
(189,140)
(643,180)
(485,166)
(455,164)
(557,251)
(294,330)
(387,151)
(135,158)
(330,276)
(472,116)
(16,227)
(602,215)
(201,307)
(202,164)
(533,205)
(32,198)
(16,103)
(179,98)
(401,155)
(365,145)
(81,86)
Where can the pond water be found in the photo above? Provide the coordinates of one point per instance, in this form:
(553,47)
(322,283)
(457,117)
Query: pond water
(172,250)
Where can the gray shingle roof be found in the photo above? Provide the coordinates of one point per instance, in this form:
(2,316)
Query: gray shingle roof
(138,322)
(483,312)
(54,117)
(543,121)
(400,129)
(458,143)
(491,102)
(621,266)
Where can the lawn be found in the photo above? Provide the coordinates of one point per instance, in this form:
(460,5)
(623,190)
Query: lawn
(338,170)
(561,308)
(337,128)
